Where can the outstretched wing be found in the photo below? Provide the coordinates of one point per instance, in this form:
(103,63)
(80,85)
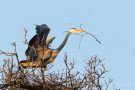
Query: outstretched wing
(30,44)
(40,38)
(49,40)
(42,33)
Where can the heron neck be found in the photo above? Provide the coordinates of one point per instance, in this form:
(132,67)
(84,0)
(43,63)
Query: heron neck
(64,42)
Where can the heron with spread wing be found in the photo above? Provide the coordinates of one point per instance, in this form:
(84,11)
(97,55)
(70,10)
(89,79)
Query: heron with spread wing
(38,52)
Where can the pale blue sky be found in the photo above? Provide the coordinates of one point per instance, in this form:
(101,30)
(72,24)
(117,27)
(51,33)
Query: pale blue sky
(112,21)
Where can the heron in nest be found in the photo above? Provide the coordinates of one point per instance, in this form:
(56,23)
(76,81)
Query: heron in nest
(38,53)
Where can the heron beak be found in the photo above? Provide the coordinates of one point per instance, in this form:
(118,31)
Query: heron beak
(76,30)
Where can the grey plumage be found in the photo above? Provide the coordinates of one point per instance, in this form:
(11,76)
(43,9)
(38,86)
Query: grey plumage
(42,32)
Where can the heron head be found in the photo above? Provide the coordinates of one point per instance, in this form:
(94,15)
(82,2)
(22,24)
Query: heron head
(76,30)
(40,29)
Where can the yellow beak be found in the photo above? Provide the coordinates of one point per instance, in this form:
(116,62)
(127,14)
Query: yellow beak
(76,30)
